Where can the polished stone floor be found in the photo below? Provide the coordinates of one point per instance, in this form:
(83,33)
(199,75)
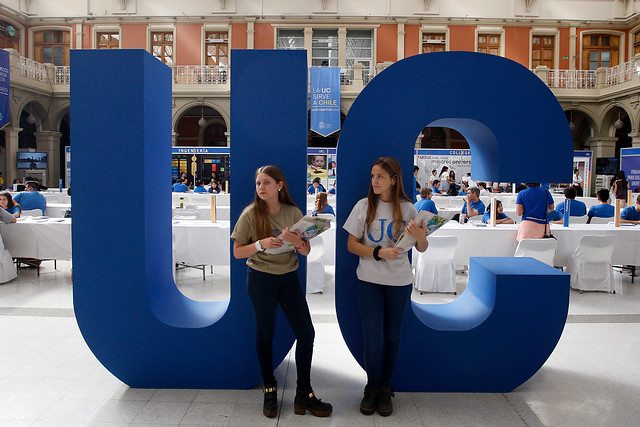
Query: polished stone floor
(48,376)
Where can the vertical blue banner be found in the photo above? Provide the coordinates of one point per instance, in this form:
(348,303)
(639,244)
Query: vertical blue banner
(4,88)
(325,100)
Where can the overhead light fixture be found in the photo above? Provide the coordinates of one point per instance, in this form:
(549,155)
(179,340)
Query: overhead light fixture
(572,126)
(619,124)
(31,119)
(202,121)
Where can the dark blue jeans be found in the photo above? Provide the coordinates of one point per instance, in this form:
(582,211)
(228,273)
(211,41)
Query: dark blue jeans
(381,310)
(266,291)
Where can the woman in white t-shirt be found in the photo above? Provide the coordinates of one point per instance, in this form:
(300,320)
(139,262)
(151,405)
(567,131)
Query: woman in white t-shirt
(384,276)
(444,183)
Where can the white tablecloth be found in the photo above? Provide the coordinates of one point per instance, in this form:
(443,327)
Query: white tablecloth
(202,242)
(501,241)
(37,238)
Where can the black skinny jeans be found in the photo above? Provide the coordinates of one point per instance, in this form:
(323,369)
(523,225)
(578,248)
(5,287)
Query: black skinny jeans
(266,291)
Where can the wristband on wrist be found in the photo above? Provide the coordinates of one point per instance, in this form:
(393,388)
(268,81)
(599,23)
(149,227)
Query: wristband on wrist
(375,253)
(303,245)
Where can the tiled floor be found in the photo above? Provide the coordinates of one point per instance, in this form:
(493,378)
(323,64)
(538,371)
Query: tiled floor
(48,376)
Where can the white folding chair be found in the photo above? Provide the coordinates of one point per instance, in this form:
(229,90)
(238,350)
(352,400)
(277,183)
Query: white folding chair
(31,212)
(578,219)
(600,220)
(435,270)
(315,266)
(541,249)
(590,266)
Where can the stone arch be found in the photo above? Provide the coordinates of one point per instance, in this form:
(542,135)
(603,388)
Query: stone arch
(179,112)
(188,132)
(586,125)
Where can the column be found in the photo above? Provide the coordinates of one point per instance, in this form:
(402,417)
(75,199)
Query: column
(11,142)
(251,32)
(603,146)
(174,138)
(49,142)
(635,139)
(573,38)
(401,33)
(342,47)
(308,44)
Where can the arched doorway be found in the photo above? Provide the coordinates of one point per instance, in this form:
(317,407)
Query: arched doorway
(192,134)
(438,137)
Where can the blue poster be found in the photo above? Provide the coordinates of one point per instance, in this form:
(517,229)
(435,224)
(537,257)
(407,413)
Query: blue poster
(325,100)
(4,88)
(630,164)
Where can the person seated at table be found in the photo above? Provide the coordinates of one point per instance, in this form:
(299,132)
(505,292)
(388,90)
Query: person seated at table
(316,187)
(322,206)
(465,189)
(453,190)
(577,208)
(631,214)
(473,206)
(332,190)
(41,187)
(482,186)
(435,188)
(6,217)
(179,187)
(8,204)
(425,203)
(215,187)
(199,188)
(603,209)
(30,198)
(501,217)
(16,183)
(433,177)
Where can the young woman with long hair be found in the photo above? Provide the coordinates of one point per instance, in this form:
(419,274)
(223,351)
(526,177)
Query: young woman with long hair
(384,276)
(8,204)
(322,205)
(273,279)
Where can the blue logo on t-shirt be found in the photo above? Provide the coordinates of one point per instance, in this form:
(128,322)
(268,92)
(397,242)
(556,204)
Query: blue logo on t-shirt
(389,230)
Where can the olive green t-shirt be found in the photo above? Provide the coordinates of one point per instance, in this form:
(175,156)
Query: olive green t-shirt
(245,233)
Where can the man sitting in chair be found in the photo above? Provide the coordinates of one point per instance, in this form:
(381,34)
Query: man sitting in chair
(473,206)
(30,198)
(603,209)
(577,208)
(631,214)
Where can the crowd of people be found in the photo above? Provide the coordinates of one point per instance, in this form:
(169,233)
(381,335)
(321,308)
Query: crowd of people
(184,185)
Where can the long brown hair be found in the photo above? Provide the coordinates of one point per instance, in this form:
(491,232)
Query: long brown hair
(392,167)
(263,226)
(321,202)
(10,202)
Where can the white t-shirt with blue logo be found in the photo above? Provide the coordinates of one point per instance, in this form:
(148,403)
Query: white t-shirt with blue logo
(395,272)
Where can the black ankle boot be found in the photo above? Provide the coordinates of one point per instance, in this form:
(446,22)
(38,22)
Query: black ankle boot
(385,407)
(270,407)
(307,401)
(370,399)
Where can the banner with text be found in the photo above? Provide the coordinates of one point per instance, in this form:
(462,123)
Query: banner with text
(630,164)
(325,100)
(4,88)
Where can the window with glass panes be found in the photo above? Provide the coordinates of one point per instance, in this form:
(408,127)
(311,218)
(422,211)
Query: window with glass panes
(489,43)
(291,39)
(324,51)
(52,47)
(9,36)
(600,50)
(162,45)
(434,42)
(359,47)
(543,51)
(216,45)
(109,40)
(636,43)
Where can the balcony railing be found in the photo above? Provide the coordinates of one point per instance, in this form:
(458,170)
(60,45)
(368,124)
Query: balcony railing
(63,75)
(621,73)
(571,79)
(32,69)
(346,75)
(201,74)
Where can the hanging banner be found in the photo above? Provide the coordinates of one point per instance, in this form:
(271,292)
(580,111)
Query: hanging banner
(4,88)
(630,164)
(325,100)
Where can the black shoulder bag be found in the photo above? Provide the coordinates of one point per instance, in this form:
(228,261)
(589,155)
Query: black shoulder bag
(547,228)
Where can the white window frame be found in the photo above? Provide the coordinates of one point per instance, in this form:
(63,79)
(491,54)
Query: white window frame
(34,30)
(211,27)
(490,30)
(162,28)
(105,29)
(556,44)
(444,29)
(621,48)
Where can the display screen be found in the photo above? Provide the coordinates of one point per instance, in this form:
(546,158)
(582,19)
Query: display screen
(28,160)
(606,165)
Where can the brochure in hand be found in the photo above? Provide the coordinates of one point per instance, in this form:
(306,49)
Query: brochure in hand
(431,221)
(309,227)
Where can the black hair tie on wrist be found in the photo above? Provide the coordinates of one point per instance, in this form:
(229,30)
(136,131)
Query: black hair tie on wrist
(375,253)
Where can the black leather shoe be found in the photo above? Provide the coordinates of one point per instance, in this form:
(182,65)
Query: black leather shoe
(307,401)
(270,407)
(370,399)
(385,407)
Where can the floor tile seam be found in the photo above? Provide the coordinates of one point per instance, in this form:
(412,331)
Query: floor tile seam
(36,312)
(536,421)
(604,318)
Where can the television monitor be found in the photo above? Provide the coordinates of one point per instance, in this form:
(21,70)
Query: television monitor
(27,160)
(606,165)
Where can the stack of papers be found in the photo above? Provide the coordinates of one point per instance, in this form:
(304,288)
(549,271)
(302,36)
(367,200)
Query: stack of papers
(309,227)
(432,221)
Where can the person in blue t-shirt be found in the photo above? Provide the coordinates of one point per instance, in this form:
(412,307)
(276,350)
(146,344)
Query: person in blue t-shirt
(179,187)
(332,190)
(425,203)
(631,214)
(435,188)
(30,198)
(473,206)
(533,204)
(603,209)
(7,203)
(322,205)
(199,188)
(501,217)
(577,208)
(316,187)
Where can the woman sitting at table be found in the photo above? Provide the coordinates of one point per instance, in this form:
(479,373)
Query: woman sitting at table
(501,218)
(7,203)
(215,187)
(322,205)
